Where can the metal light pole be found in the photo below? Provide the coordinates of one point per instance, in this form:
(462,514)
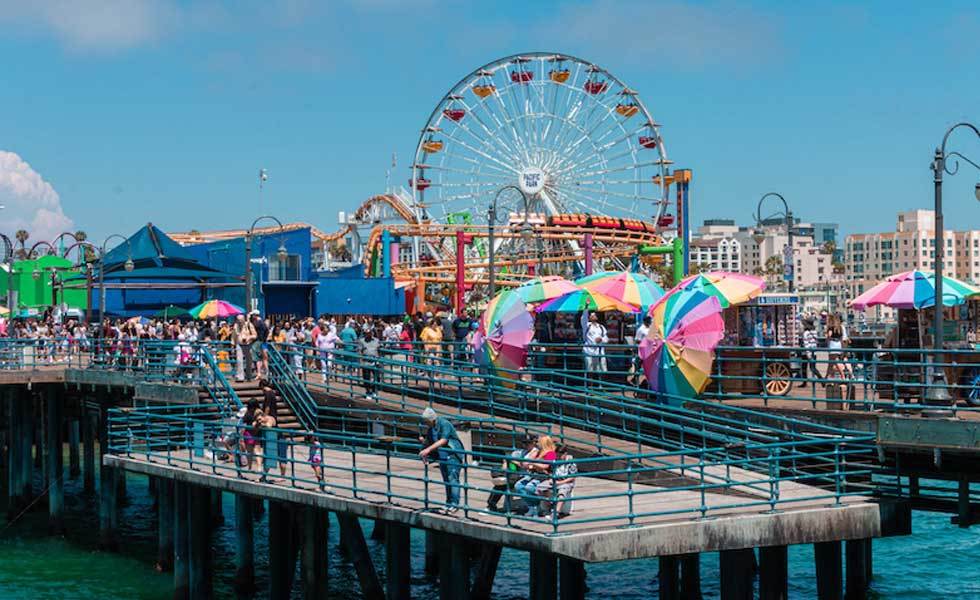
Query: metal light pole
(87,264)
(281,252)
(788,215)
(129,266)
(938,167)
(8,258)
(491,221)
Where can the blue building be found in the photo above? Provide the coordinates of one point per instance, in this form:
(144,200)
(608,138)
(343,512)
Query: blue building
(282,286)
(350,291)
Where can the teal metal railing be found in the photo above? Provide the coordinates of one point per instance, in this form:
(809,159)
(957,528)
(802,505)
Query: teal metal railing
(368,463)
(283,376)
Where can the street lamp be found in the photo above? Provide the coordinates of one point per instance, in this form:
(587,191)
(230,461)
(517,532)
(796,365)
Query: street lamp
(937,394)
(787,214)
(939,165)
(526,231)
(84,260)
(128,266)
(8,259)
(281,253)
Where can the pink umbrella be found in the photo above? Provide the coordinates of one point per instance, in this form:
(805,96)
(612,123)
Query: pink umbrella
(506,328)
(914,289)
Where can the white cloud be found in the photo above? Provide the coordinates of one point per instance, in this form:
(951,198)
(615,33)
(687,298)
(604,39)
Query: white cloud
(30,202)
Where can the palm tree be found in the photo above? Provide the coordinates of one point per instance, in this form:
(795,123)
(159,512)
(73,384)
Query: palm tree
(80,236)
(774,268)
(22,236)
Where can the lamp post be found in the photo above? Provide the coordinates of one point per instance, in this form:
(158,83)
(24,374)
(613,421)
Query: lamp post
(88,272)
(282,253)
(939,165)
(937,394)
(788,215)
(128,266)
(8,259)
(491,221)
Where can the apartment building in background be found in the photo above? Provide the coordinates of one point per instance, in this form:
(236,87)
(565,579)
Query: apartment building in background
(871,257)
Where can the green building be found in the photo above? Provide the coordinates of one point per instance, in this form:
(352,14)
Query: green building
(31,281)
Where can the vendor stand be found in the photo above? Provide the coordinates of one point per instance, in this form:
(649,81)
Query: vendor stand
(765,331)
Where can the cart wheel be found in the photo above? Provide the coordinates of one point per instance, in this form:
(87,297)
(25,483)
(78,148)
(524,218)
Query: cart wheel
(778,381)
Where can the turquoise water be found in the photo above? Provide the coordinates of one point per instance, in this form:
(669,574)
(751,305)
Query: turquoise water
(938,561)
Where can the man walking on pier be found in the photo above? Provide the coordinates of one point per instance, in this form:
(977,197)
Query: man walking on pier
(441,438)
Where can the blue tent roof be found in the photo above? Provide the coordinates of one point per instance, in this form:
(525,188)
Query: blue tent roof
(156,256)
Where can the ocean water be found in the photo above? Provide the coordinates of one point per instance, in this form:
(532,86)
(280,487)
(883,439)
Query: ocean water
(938,561)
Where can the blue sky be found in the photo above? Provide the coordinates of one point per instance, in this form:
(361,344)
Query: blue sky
(129,111)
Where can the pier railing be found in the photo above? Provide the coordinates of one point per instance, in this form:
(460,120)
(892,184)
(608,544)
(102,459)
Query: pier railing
(371,459)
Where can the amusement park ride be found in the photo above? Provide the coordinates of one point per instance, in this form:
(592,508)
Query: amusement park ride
(588,178)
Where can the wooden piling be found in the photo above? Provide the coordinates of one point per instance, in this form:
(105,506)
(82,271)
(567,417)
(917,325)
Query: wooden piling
(669,578)
(244,582)
(74,439)
(181,543)
(165,525)
(856,586)
(357,549)
(827,556)
(55,462)
(773,573)
(282,564)
(691,576)
(89,430)
(571,579)
(199,543)
(486,571)
(737,573)
(543,576)
(315,560)
(398,554)
(454,567)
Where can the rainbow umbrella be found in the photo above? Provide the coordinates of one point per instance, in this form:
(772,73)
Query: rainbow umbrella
(215,309)
(540,289)
(914,289)
(580,300)
(632,288)
(729,288)
(505,330)
(678,352)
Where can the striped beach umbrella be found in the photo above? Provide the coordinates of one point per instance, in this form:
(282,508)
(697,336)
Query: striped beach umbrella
(626,286)
(914,289)
(729,288)
(541,289)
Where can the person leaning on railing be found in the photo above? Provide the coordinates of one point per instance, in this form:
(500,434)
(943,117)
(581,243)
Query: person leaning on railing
(442,440)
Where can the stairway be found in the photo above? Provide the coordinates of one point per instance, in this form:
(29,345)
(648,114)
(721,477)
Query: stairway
(248,390)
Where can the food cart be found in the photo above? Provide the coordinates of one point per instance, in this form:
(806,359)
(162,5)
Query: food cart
(765,330)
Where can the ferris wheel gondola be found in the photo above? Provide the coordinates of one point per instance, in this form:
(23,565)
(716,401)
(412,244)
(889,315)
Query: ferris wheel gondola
(570,134)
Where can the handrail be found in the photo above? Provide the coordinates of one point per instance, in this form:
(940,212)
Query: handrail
(293,391)
(218,386)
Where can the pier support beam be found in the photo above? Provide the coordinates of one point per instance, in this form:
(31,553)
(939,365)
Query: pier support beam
(315,560)
(544,576)
(15,454)
(108,494)
(217,509)
(454,567)
(26,401)
(55,462)
(737,573)
(398,552)
(773,573)
(857,569)
(353,537)
(691,576)
(431,553)
(571,575)
(282,549)
(486,571)
(199,542)
(74,438)
(668,578)
(827,556)
(181,545)
(245,546)
(89,430)
(378,531)
(165,525)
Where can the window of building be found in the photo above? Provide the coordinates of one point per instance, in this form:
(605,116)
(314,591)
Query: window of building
(285,270)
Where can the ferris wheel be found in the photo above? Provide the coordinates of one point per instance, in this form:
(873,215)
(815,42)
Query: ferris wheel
(572,136)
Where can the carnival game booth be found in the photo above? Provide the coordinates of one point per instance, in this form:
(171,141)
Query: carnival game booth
(760,335)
